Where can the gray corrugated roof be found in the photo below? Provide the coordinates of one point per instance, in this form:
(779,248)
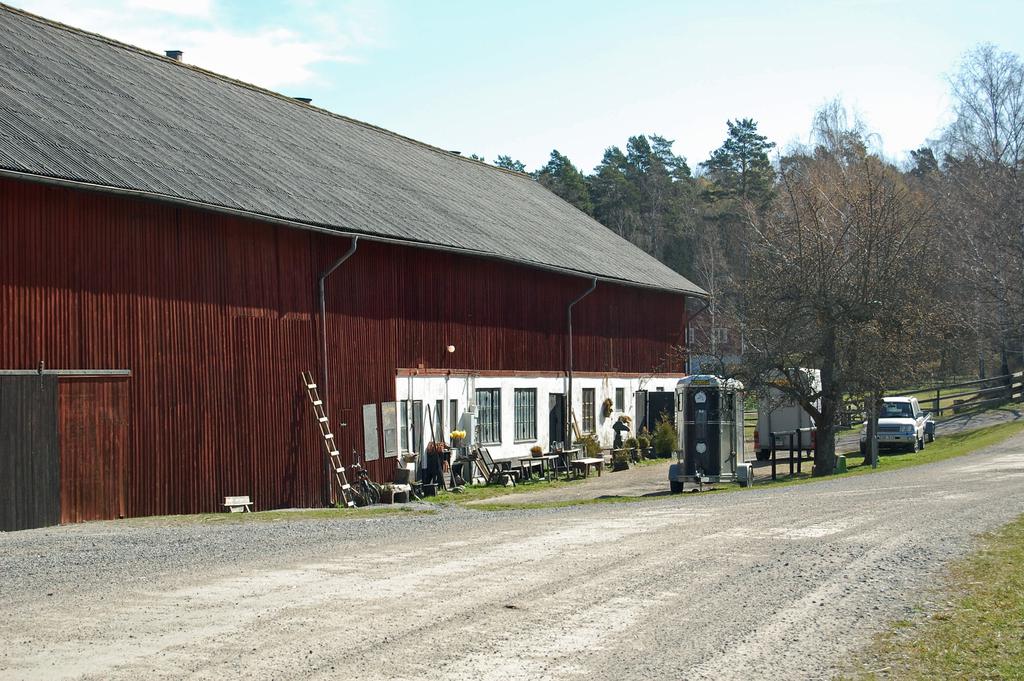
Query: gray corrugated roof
(78,107)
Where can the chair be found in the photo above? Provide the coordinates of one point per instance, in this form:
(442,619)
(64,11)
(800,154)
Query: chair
(492,468)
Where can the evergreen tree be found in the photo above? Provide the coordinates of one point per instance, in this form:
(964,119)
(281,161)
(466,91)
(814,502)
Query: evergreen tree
(740,167)
(508,163)
(646,195)
(565,180)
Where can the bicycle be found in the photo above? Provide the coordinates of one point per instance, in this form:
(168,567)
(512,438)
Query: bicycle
(364,491)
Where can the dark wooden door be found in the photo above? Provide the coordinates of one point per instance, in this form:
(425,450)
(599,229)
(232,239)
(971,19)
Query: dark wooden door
(93,442)
(556,418)
(29,452)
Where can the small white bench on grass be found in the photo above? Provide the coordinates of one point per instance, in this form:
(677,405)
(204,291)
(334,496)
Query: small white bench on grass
(238,504)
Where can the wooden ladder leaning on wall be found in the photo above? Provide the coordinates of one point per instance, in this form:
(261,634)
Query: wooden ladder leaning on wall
(327,437)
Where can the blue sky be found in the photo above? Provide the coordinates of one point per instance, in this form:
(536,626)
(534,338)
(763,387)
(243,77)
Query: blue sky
(522,77)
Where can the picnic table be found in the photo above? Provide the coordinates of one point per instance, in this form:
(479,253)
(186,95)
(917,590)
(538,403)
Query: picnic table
(564,457)
(528,464)
(584,465)
(547,463)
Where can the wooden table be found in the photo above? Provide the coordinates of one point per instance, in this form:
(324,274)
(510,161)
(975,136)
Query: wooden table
(565,456)
(527,464)
(547,463)
(586,464)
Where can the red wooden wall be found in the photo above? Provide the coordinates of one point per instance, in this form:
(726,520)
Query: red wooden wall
(216,316)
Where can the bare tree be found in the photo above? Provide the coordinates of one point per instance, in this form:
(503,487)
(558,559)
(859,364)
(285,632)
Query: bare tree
(982,197)
(838,271)
(988,105)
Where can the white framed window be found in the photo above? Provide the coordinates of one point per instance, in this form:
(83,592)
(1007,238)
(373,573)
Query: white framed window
(589,417)
(526,414)
(488,419)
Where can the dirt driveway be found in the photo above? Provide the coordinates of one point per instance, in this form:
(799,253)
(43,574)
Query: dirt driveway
(764,583)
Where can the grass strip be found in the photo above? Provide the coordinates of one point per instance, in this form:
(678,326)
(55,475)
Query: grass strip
(946,447)
(479,492)
(979,634)
(617,499)
(278,516)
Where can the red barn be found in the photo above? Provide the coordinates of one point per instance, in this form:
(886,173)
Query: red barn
(163,231)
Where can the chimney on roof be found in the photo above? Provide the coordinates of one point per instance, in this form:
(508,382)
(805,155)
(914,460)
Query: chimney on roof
(174,54)
(304,100)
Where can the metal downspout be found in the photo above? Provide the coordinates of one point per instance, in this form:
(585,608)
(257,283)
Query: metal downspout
(567,444)
(323,318)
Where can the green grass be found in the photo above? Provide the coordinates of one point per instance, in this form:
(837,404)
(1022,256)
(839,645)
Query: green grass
(979,634)
(946,447)
(278,516)
(475,493)
(949,446)
(558,504)
(480,492)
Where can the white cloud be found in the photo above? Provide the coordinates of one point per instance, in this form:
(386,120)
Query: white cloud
(283,52)
(271,58)
(188,8)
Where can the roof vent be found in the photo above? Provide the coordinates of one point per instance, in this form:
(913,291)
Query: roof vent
(456,153)
(304,100)
(174,54)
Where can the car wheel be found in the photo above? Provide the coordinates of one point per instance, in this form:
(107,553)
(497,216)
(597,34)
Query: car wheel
(931,437)
(914,448)
(920,443)
(675,486)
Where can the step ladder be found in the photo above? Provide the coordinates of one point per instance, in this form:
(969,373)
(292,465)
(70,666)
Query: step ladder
(327,437)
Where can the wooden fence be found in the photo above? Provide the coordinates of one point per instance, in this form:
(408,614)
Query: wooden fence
(958,398)
(940,400)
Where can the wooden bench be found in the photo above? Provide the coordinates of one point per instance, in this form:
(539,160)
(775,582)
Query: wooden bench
(238,504)
(584,466)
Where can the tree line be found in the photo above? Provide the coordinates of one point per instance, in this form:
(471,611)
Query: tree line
(829,255)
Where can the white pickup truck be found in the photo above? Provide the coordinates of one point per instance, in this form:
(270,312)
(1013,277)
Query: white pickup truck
(901,424)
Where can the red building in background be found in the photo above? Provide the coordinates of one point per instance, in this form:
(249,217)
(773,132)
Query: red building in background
(162,234)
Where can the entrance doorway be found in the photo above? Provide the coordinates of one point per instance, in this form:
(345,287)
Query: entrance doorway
(556,419)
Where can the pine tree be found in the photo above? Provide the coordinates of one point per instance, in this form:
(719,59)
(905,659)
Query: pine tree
(740,167)
(508,163)
(566,181)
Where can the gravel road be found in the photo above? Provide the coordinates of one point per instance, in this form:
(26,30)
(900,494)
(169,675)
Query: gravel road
(762,583)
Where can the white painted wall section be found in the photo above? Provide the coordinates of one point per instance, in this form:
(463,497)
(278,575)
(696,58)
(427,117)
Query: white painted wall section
(429,389)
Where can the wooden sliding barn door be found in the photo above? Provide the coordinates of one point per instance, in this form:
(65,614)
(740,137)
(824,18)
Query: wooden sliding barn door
(93,446)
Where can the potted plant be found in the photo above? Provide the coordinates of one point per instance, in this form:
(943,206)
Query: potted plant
(387,493)
(536,450)
(606,407)
(620,460)
(643,443)
(457,437)
(589,444)
(664,438)
(630,446)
